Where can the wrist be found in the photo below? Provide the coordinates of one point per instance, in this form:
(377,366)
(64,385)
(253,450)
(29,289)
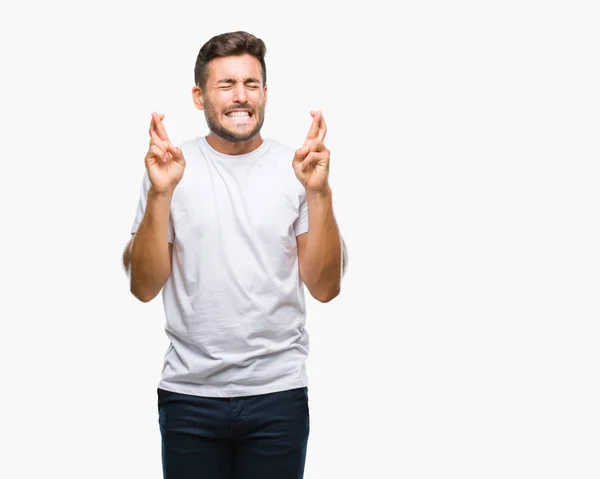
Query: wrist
(320,194)
(154,194)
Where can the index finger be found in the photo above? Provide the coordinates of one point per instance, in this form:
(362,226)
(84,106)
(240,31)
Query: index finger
(314,126)
(160,128)
(152,128)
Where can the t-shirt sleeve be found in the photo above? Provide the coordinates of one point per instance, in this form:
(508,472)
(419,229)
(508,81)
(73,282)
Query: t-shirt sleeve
(301,223)
(141,208)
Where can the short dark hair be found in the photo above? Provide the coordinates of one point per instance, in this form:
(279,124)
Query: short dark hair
(225,45)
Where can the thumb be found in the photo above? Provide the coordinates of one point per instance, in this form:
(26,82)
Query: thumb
(176,153)
(302,151)
(300,154)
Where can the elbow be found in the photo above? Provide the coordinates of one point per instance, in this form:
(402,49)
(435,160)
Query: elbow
(142,291)
(326,295)
(145,299)
(323,289)
(146,286)
(141,295)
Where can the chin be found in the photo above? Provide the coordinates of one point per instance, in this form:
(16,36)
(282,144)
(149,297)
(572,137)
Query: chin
(242,134)
(235,136)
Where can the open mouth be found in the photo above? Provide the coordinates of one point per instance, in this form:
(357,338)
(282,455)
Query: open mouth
(239,114)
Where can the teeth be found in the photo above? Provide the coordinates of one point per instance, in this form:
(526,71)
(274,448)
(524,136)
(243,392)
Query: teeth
(238,114)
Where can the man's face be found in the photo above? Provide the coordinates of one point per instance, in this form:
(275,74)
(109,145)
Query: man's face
(234,98)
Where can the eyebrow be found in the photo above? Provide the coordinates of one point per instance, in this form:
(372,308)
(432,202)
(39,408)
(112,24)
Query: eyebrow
(233,80)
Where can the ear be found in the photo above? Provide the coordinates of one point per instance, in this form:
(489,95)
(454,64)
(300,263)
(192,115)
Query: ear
(265,94)
(198,97)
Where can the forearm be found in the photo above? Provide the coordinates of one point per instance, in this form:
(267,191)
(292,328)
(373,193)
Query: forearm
(322,261)
(150,259)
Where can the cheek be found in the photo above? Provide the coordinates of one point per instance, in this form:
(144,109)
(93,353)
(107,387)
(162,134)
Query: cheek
(258,99)
(220,101)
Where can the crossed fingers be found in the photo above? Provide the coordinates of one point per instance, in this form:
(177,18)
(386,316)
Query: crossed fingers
(160,145)
(318,127)
(315,138)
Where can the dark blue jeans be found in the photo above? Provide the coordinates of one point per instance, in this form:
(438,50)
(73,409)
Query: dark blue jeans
(250,437)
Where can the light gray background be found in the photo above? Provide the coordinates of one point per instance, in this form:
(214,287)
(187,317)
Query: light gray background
(464,166)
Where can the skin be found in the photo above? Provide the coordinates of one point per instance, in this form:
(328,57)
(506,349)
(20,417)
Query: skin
(319,250)
(147,256)
(234,84)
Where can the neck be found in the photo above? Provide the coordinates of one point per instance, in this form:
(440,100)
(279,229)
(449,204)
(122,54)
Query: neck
(230,148)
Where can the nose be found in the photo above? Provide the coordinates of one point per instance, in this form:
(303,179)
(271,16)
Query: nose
(239,92)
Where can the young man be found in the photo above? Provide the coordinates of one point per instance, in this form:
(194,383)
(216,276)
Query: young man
(231,227)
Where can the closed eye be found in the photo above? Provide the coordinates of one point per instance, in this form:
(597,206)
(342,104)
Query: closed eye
(228,83)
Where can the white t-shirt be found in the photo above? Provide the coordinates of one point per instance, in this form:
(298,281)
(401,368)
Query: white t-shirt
(234,302)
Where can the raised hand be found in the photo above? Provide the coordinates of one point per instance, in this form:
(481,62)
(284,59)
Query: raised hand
(165,163)
(311,161)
